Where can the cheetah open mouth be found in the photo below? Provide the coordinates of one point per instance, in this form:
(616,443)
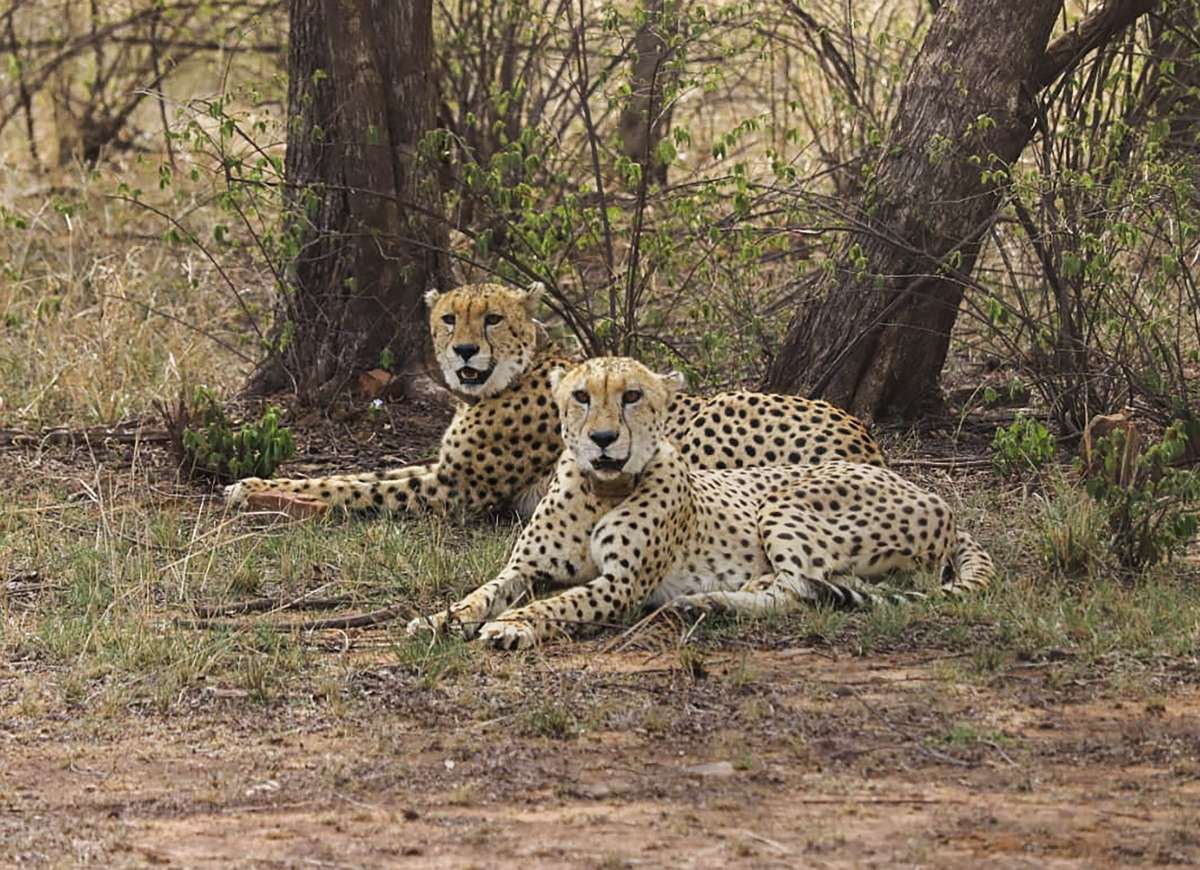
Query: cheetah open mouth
(470,377)
(608,463)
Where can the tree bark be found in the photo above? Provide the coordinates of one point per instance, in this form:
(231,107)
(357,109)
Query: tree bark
(361,212)
(875,337)
(644,121)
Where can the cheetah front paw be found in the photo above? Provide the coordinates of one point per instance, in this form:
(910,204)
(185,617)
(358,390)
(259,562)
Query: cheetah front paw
(464,617)
(509,634)
(700,603)
(237,493)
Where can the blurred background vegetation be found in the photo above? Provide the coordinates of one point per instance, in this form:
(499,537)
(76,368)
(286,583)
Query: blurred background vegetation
(689,179)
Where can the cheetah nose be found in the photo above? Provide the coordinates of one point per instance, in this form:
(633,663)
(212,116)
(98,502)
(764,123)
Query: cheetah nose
(603,438)
(466,351)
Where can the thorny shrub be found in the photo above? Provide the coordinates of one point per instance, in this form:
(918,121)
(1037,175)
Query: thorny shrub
(1150,510)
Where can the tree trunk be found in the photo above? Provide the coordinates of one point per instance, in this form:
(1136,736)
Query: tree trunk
(876,335)
(643,121)
(361,213)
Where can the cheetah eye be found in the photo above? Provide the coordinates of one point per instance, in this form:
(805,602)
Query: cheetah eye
(448,319)
(581,396)
(493,319)
(631,397)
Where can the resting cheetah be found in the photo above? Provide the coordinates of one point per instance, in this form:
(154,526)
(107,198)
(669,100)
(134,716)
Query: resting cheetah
(500,448)
(629,522)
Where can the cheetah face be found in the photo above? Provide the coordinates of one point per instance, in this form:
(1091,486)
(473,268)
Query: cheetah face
(613,411)
(484,336)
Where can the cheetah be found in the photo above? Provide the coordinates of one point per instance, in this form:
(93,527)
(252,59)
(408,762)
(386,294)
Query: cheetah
(500,448)
(628,521)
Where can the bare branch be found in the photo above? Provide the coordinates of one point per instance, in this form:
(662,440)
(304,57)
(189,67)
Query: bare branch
(1065,53)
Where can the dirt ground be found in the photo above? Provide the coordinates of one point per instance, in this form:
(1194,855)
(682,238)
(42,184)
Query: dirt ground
(778,758)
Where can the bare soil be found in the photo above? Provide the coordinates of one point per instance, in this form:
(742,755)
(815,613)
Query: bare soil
(788,757)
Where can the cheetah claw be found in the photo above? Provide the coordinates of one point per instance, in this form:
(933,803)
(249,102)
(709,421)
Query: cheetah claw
(509,634)
(465,619)
(434,623)
(699,604)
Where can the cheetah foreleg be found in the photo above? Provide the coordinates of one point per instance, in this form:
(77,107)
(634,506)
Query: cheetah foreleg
(599,602)
(487,602)
(325,489)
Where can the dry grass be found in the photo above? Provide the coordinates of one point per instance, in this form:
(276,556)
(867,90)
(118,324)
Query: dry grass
(99,316)
(97,568)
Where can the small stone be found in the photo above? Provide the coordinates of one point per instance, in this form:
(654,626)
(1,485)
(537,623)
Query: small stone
(374,383)
(713,768)
(296,505)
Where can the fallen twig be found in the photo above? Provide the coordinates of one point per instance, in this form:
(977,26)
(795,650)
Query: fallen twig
(95,436)
(259,605)
(623,639)
(361,620)
(947,462)
(358,620)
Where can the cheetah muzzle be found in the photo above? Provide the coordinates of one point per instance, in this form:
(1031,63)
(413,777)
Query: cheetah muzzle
(470,377)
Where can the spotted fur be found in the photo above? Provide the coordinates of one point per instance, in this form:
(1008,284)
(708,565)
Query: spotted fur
(629,522)
(499,450)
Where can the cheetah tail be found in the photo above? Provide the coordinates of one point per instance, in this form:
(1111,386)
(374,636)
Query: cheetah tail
(971,567)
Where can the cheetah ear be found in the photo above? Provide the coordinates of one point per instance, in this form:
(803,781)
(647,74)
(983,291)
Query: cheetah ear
(431,297)
(556,376)
(674,381)
(533,296)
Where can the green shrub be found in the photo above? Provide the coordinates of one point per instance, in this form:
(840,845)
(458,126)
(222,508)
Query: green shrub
(208,445)
(1025,445)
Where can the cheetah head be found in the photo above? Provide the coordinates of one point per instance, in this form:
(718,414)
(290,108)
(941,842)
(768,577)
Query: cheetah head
(613,411)
(484,336)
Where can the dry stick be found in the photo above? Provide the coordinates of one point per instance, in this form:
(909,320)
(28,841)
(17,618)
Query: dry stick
(849,799)
(259,605)
(255,605)
(155,48)
(24,95)
(62,434)
(618,643)
(361,620)
(581,58)
(189,45)
(688,636)
(766,841)
(965,462)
